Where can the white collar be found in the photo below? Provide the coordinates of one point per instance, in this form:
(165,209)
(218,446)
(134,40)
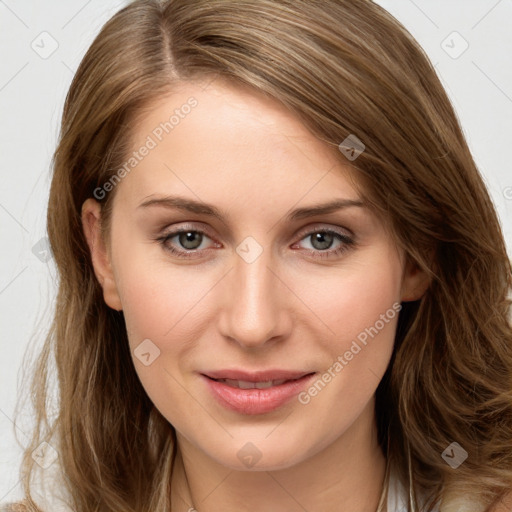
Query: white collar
(397,495)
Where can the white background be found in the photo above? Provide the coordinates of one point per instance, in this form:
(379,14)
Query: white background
(32,92)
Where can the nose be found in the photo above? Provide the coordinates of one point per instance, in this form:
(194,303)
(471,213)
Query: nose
(256,308)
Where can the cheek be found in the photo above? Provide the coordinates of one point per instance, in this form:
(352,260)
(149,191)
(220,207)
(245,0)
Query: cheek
(352,298)
(155,293)
(159,301)
(361,308)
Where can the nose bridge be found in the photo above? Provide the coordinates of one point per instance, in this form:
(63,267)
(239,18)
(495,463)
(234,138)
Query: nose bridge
(253,312)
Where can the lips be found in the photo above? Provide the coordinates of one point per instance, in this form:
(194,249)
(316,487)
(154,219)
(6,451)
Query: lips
(244,384)
(258,376)
(256,392)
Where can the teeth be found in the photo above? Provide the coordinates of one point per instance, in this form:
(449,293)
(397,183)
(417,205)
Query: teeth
(263,385)
(278,382)
(243,384)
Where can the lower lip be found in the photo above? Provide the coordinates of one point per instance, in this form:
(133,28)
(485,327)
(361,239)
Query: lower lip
(256,401)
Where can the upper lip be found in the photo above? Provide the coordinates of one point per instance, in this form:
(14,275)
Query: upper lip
(258,376)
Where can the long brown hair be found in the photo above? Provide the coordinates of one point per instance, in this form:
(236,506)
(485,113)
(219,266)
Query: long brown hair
(343,67)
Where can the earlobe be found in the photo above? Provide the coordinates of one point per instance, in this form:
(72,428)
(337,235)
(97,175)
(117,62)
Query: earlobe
(415,282)
(91,224)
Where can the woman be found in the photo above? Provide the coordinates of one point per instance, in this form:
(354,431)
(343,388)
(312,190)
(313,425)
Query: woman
(283,285)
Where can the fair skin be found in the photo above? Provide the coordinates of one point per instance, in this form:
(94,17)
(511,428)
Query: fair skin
(287,309)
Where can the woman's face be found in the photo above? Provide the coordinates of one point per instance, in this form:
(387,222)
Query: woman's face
(251,294)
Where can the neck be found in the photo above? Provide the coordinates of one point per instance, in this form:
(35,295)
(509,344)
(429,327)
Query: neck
(345,476)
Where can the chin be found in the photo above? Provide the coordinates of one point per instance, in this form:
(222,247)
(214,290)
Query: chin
(260,454)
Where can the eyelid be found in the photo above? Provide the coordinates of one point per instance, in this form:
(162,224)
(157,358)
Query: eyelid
(307,230)
(347,240)
(186,226)
(170,233)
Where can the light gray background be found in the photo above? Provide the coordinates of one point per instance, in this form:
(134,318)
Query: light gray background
(32,91)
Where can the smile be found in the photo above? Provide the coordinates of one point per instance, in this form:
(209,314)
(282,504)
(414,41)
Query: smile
(257,396)
(243,384)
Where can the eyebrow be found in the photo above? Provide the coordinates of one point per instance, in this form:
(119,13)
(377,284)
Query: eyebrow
(190,205)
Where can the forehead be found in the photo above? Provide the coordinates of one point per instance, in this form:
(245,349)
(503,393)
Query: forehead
(227,143)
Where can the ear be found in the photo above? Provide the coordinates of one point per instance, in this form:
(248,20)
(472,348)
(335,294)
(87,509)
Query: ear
(91,223)
(415,282)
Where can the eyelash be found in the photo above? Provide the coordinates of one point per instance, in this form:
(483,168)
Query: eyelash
(328,253)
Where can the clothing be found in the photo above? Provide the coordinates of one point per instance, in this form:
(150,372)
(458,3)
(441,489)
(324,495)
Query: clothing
(397,496)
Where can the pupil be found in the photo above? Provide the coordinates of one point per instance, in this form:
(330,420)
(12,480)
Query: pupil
(325,240)
(188,237)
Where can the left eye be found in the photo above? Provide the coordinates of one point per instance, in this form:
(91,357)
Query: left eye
(322,240)
(191,240)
